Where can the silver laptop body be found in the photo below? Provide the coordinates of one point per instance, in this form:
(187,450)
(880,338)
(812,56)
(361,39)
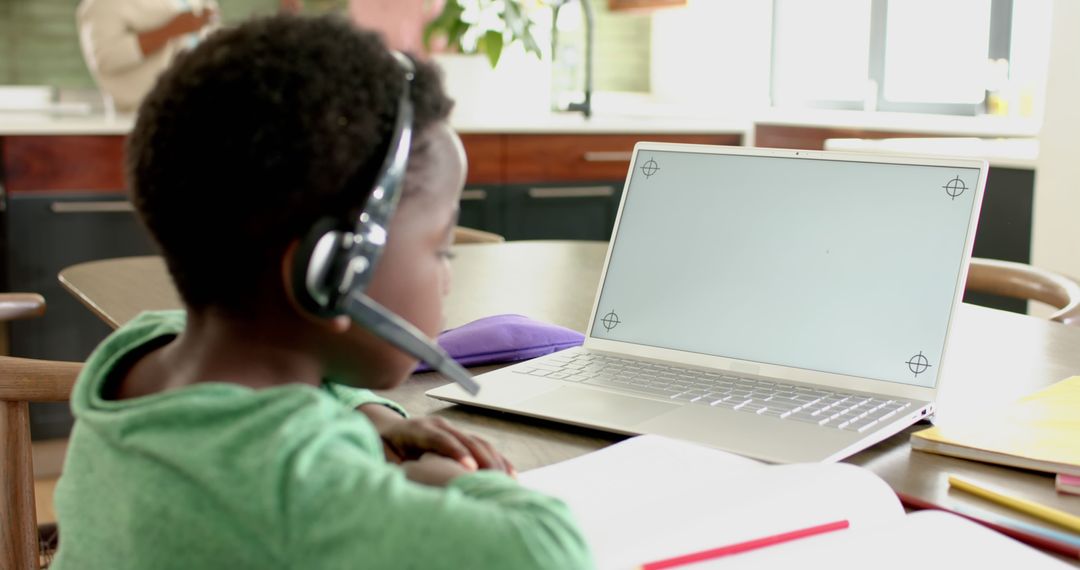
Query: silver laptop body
(785,305)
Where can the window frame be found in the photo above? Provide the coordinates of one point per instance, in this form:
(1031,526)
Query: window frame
(999,47)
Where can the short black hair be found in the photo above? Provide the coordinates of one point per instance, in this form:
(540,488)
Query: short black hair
(261,130)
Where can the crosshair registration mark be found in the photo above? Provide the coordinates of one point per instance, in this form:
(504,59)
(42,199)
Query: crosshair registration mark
(649,168)
(918,364)
(610,320)
(955,187)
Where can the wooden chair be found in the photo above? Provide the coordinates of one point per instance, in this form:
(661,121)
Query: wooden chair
(1022,281)
(23,380)
(470,235)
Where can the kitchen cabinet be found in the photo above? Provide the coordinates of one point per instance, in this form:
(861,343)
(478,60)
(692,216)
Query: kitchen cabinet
(480,200)
(814,137)
(555,211)
(65,203)
(554,186)
(481,208)
(48,163)
(1004,230)
(560,158)
(486,155)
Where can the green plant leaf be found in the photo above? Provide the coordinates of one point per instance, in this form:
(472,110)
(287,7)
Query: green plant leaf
(520,26)
(445,24)
(513,25)
(456,34)
(491,44)
(515,20)
(530,42)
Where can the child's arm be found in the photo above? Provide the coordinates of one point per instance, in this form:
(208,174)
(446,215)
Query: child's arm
(357,398)
(409,439)
(346,507)
(434,470)
(406,439)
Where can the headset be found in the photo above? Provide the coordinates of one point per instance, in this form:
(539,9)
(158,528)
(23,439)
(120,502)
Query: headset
(337,257)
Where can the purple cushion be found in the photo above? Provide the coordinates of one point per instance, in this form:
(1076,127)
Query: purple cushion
(504,338)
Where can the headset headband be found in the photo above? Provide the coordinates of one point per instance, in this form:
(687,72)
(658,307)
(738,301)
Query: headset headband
(326,282)
(334,267)
(374,221)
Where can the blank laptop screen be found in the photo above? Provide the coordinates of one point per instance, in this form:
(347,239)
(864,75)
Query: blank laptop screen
(836,266)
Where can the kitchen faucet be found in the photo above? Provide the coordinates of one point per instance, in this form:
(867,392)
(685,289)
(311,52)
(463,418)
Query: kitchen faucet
(584,107)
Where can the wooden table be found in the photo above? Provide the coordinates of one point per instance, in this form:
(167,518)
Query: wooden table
(994,357)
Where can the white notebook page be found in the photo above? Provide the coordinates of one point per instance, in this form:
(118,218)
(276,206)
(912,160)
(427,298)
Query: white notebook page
(926,539)
(651,498)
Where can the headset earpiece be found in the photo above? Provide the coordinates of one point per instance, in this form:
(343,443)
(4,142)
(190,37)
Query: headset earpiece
(314,262)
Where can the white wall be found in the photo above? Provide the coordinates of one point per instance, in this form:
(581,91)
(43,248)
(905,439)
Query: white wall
(1056,239)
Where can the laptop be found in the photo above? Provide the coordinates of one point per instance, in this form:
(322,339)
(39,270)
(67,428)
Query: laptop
(786,305)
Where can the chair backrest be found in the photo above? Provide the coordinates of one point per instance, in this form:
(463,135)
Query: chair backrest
(1022,281)
(15,306)
(470,235)
(23,380)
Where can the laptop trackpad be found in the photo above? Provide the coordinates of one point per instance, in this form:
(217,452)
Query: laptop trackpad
(593,407)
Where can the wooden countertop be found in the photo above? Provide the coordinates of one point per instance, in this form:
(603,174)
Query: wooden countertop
(931,124)
(1017,153)
(29,123)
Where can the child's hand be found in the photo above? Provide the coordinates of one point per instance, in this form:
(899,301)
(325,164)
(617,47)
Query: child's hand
(190,22)
(434,470)
(409,439)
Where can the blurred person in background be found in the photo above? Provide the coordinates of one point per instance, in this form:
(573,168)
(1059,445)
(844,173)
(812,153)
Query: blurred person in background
(128,44)
(401,22)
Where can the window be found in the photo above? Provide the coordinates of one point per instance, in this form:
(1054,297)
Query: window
(825,61)
(936,51)
(902,55)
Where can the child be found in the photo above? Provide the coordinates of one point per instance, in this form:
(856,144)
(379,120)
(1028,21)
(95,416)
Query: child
(226,438)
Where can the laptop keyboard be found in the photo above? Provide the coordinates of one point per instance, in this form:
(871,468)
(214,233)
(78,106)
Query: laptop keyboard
(828,408)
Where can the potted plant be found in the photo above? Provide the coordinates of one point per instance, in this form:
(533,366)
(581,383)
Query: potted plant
(470,38)
(484,26)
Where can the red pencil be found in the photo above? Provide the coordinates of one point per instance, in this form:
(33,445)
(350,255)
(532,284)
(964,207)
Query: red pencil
(744,546)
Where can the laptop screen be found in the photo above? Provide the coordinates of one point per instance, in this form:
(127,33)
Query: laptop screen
(836,266)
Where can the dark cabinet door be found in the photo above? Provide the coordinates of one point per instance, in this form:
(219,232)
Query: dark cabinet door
(45,234)
(481,208)
(561,211)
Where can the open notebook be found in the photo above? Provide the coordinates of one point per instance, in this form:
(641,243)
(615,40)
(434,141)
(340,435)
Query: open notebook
(650,498)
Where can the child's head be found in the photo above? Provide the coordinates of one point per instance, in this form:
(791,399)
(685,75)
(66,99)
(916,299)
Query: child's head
(262,130)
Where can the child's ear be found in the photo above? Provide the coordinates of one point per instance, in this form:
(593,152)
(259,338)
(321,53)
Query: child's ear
(286,275)
(338,324)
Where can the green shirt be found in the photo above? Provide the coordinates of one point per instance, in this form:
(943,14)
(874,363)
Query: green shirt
(217,475)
